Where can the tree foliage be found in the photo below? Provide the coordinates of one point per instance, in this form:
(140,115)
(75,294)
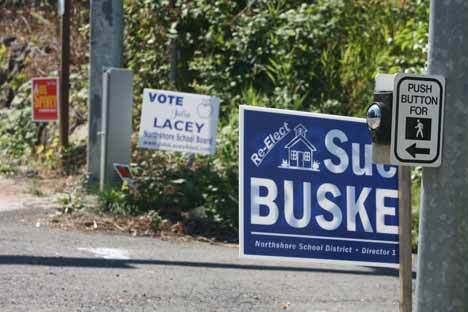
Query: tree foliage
(317,56)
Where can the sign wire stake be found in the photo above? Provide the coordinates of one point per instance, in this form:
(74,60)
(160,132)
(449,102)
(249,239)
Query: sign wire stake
(406,271)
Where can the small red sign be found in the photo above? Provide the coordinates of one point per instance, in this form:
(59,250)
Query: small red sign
(45,99)
(123,170)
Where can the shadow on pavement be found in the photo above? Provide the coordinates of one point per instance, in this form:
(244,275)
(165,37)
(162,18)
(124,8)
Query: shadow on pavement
(131,263)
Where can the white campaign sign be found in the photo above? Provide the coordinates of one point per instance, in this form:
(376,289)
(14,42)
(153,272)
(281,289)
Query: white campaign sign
(176,121)
(418,107)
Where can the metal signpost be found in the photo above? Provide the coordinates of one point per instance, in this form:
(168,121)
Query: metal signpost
(116,128)
(418,106)
(177,121)
(308,190)
(61,7)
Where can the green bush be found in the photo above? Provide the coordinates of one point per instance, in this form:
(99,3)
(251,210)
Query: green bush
(317,56)
(24,142)
(313,56)
(173,190)
(18,133)
(321,56)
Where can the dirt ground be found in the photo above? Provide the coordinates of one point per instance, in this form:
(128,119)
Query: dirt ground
(23,192)
(49,193)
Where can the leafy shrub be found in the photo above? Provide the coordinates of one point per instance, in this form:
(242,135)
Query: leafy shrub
(173,189)
(18,134)
(23,141)
(307,55)
(321,56)
(314,56)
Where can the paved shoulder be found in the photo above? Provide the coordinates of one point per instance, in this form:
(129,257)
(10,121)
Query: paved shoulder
(43,269)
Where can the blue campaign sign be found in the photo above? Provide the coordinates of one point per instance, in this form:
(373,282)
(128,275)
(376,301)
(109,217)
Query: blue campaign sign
(309,190)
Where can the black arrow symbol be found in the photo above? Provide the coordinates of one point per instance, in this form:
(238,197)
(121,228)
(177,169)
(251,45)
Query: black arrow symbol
(413,150)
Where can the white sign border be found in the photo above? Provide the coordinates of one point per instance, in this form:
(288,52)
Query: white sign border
(242,255)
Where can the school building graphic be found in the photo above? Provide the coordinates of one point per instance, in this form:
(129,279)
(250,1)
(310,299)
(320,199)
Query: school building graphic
(300,152)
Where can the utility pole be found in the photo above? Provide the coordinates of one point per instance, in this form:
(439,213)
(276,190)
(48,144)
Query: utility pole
(106,44)
(64,83)
(442,277)
(173,52)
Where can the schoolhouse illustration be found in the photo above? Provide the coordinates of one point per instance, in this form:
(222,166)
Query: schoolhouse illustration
(300,152)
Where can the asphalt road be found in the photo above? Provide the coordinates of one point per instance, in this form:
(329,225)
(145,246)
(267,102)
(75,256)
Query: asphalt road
(44,269)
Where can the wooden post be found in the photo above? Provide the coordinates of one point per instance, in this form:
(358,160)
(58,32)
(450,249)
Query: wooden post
(64,82)
(406,271)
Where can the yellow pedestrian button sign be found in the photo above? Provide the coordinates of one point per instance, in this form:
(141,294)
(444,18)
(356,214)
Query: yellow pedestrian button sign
(418,106)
